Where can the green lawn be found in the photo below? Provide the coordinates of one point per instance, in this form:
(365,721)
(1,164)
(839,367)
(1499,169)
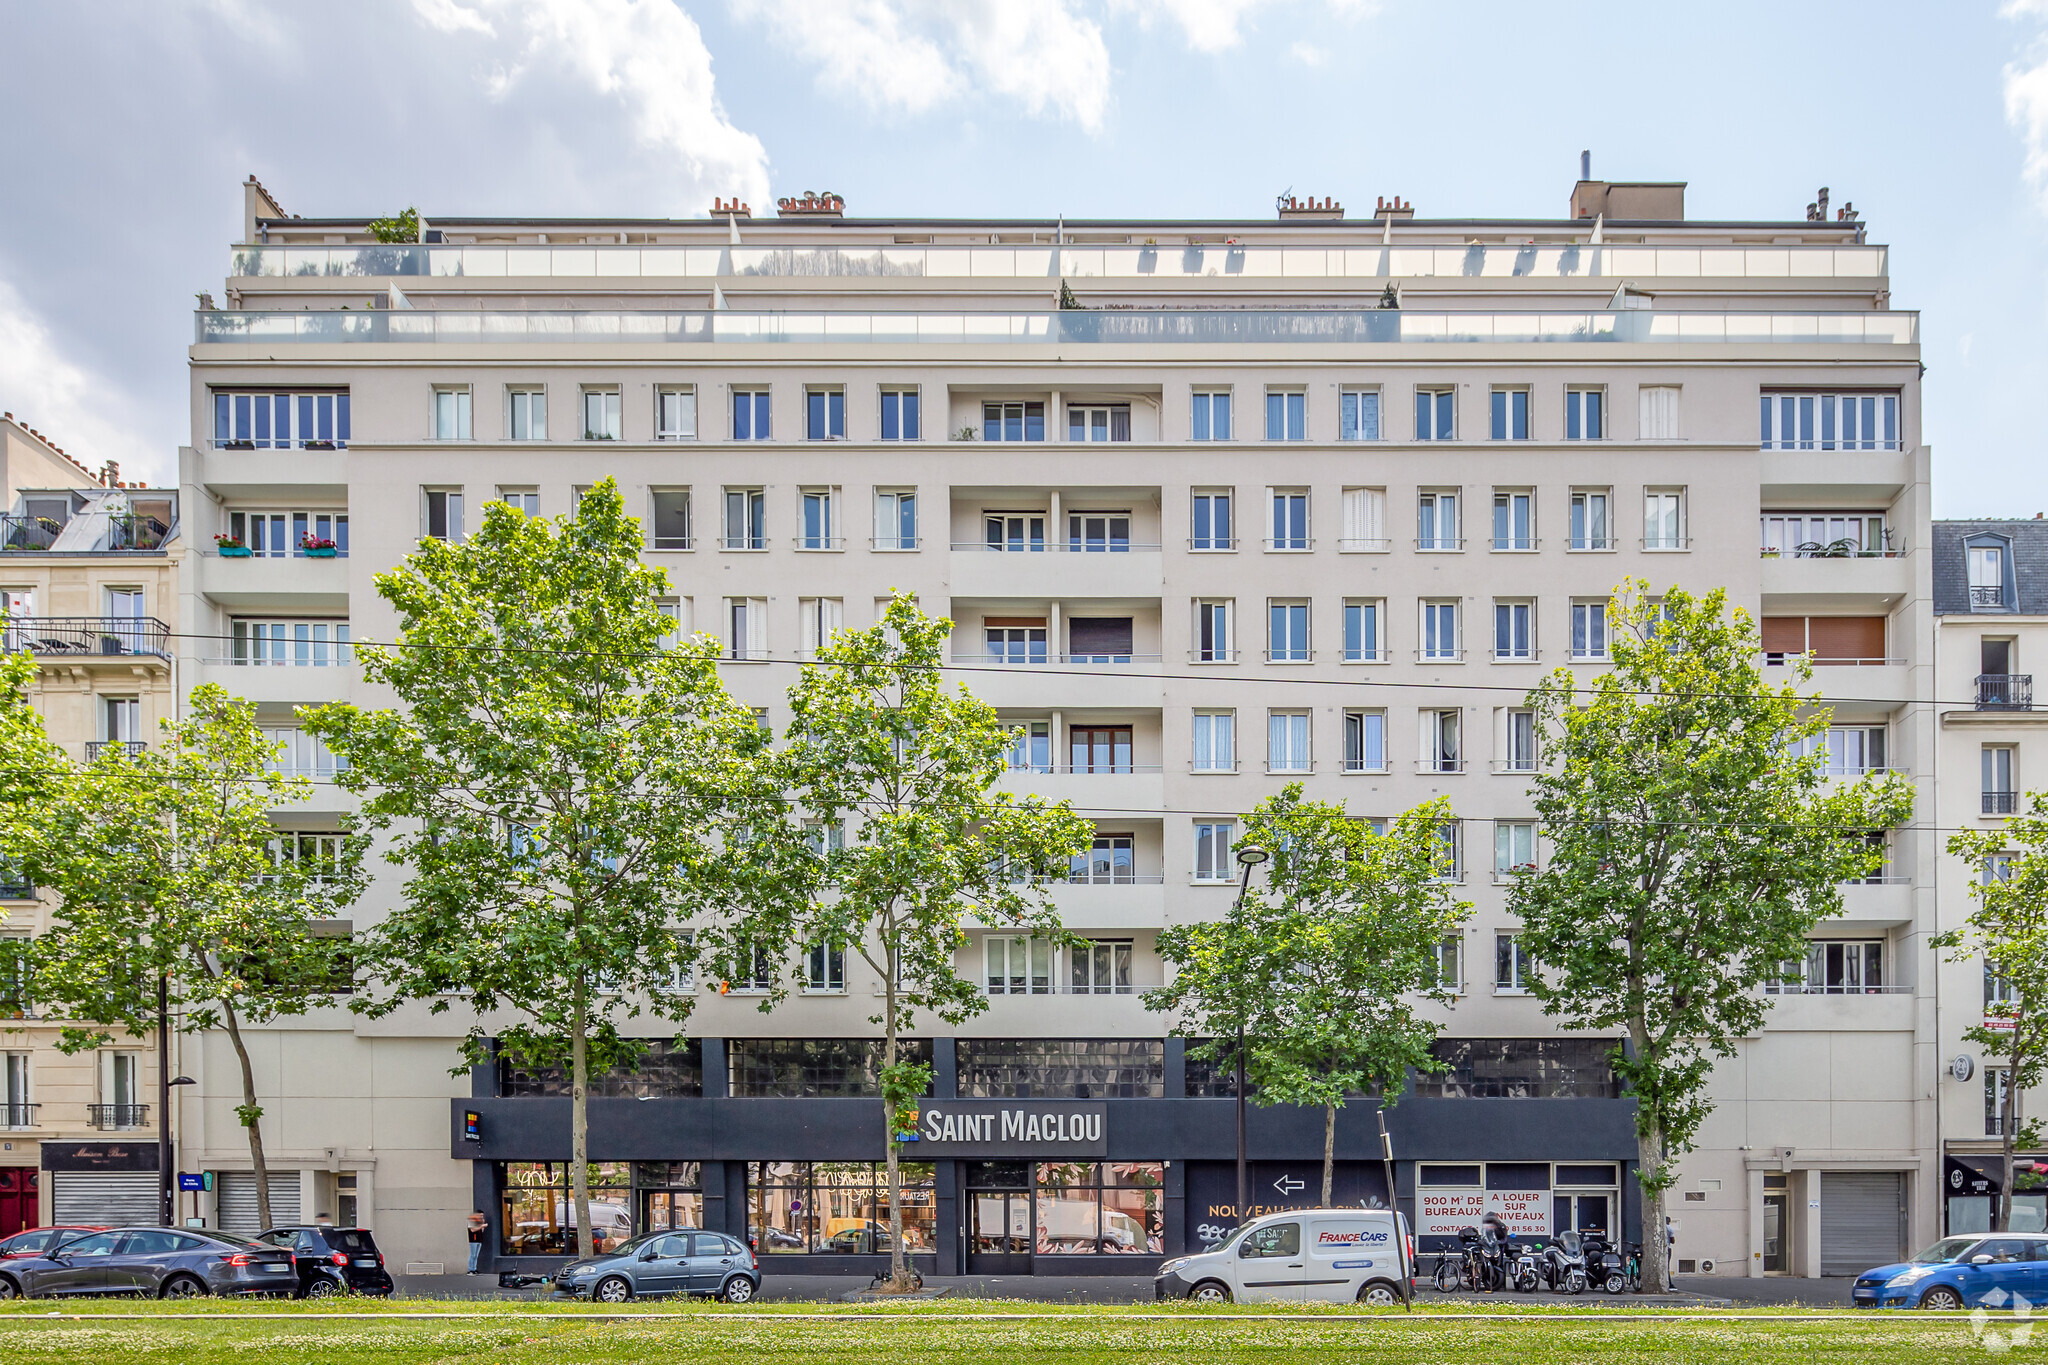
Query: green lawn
(956,1333)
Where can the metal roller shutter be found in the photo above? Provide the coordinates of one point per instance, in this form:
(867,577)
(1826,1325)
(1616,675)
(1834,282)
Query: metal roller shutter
(105,1199)
(1862,1220)
(235,1195)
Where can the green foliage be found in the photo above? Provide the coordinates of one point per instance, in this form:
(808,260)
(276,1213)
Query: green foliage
(2008,932)
(878,746)
(1067,301)
(404,228)
(32,771)
(1324,967)
(1691,853)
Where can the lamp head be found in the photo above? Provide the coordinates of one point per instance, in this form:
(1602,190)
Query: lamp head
(1251,855)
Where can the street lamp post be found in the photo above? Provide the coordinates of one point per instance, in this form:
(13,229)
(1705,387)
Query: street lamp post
(1248,857)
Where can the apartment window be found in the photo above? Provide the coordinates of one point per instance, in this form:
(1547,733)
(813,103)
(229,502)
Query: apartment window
(676,610)
(1358,415)
(1100,966)
(671,518)
(895,519)
(300,753)
(277,535)
(900,415)
(527,410)
(525,500)
(1015,964)
(1510,414)
(1014,532)
(1020,421)
(1286,415)
(1287,633)
(1212,633)
(825,969)
(443,514)
(820,618)
(121,1102)
(1829,421)
(1592,522)
(1365,521)
(600,414)
(1212,528)
(1846,750)
(1435,414)
(1287,742)
(1365,741)
(1514,847)
(1826,535)
(1440,631)
(1450,851)
(746,628)
(750,415)
(1985,565)
(17,1105)
(1209,418)
(1436,520)
(1099,532)
(1997,764)
(746,519)
(280,421)
(1108,860)
(1512,969)
(121,720)
(675,414)
(1362,642)
(1099,748)
(1441,750)
(1664,519)
(1585,415)
(1099,639)
(1018,641)
(1997,1080)
(451,414)
(1450,963)
(1514,631)
(1213,859)
(1589,630)
(1215,741)
(1519,747)
(1831,968)
(1514,521)
(1290,521)
(1031,746)
(297,644)
(825,414)
(1099,422)
(1657,413)
(820,527)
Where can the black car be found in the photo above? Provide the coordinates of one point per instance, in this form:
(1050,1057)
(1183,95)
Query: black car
(162,1263)
(332,1260)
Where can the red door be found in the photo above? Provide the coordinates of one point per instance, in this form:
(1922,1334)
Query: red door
(18,1209)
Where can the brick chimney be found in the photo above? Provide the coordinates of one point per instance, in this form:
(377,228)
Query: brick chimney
(811,205)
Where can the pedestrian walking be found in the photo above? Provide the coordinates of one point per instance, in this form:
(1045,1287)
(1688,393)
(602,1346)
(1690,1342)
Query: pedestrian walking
(477,1227)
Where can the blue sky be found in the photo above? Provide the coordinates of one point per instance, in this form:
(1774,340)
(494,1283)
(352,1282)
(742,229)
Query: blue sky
(125,129)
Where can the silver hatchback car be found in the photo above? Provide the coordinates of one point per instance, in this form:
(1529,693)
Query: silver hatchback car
(683,1261)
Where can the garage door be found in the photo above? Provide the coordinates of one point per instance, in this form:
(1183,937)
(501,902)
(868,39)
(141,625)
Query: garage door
(104,1199)
(236,1193)
(1862,1220)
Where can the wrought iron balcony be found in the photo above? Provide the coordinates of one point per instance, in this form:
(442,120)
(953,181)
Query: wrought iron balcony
(2005,691)
(108,636)
(1984,596)
(13,1115)
(95,747)
(2001,803)
(117,1115)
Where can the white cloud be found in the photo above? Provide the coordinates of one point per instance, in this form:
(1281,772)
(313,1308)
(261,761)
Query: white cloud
(1307,53)
(1211,26)
(912,56)
(82,411)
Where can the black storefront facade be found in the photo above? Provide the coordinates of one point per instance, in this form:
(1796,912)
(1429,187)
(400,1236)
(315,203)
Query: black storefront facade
(1004,1184)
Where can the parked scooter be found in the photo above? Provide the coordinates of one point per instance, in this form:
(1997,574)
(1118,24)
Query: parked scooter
(1493,1247)
(1563,1264)
(1604,1266)
(1526,1266)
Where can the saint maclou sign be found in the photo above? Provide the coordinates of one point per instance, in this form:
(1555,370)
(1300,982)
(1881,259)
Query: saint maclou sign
(1047,1130)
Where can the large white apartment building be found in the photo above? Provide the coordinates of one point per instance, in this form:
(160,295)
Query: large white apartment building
(1310,498)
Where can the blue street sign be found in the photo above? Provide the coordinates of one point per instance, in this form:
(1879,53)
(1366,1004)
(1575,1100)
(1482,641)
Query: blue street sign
(187,1180)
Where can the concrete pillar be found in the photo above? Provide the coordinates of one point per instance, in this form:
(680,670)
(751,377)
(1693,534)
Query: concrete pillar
(1806,1188)
(1753,1202)
(1177,1070)
(945,1069)
(310,1195)
(1175,1237)
(717,1085)
(949,1225)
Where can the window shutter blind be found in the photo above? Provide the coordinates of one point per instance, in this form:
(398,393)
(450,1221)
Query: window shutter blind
(1365,516)
(1659,413)
(1784,634)
(1099,635)
(757,628)
(1846,637)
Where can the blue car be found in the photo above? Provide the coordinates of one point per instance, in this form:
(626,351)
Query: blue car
(661,1264)
(1994,1269)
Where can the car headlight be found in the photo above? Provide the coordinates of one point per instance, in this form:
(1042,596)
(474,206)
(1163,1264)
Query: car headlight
(1168,1267)
(1918,1272)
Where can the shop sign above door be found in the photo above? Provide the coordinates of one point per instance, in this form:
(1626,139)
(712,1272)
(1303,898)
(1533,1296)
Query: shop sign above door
(974,1129)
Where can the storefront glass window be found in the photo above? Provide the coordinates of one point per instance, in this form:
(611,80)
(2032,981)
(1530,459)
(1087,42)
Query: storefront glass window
(810,1068)
(1521,1068)
(836,1207)
(1108,1208)
(671,1195)
(539,1212)
(663,1069)
(1068,1069)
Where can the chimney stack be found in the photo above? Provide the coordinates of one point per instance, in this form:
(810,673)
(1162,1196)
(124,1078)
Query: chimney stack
(1586,165)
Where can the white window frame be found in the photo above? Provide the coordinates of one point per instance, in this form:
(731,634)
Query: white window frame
(760,401)
(1019,964)
(900,392)
(1504,538)
(1358,608)
(526,412)
(1576,398)
(1587,615)
(824,968)
(753,523)
(1290,741)
(525,498)
(1211,612)
(1501,414)
(1282,537)
(893,507)
(1808,420)
(1580,536)
(1289,650)
(1439,525)
(1450,963)
(1212,543)
(1205,401)
(452,528)
(746,629)
(688,539)
(1091,433)
(453,410)
(1213,742)
(1511,840)
(1436,756)
(1430,428)
(608,413)
(1293,412)
(1436,613)
(1521,745)
(1365,735)
(1359,410)
(1518,967)
(1214,862)
(675,412)
(834,407)
(1520,650)
(1664,519)
(1365,522)
(818,520)
(1001,408)
(819,618)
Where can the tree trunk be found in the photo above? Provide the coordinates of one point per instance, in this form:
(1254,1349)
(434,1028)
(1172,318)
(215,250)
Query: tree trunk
(579,1114)
(899,1262)
(252,1119)
(1656,1244)
(1330,1153)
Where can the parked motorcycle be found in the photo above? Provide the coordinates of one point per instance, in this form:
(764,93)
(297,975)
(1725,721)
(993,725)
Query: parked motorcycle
(1605,1268)
(1526,1266)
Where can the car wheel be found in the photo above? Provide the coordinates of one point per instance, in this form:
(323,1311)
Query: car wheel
(1941,1297)
(182,1287)
(612,1289)
(1209,1291)
(8,1289)
(1379,1294)
(738,1289)
(322,1288)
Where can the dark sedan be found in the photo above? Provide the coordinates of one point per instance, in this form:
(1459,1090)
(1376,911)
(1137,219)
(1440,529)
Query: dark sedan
(164,1263)
(333,1260)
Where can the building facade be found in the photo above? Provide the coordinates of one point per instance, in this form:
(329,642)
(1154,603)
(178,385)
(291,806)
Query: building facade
(1304,499)
(89,573)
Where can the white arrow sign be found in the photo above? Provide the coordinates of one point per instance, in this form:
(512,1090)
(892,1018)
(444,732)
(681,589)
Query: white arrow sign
(1287,1184)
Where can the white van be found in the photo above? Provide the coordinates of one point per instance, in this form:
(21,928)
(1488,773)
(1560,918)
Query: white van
(1307,1256)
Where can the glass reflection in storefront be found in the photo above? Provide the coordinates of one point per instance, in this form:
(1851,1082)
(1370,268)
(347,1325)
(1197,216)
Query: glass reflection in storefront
(836,1207)
(1100,1208)
(539,1212)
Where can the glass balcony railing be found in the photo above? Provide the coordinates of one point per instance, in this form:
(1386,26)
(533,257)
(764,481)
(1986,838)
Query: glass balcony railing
(1232,327)
(1329,261)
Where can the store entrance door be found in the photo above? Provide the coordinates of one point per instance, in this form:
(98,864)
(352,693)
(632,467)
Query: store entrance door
(18,1200)
(1000,1231)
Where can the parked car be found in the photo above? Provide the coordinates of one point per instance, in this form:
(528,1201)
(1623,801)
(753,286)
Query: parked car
(36,1240)
(163,1263)
(1321,1255)
(332,1260)
(684,1261)
(1988,1268)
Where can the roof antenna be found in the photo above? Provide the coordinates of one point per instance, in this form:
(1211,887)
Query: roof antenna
(1282,199)
(1586,165)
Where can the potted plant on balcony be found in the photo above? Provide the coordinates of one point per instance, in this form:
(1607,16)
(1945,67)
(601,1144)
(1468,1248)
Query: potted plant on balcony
(230,547)
(317,547)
